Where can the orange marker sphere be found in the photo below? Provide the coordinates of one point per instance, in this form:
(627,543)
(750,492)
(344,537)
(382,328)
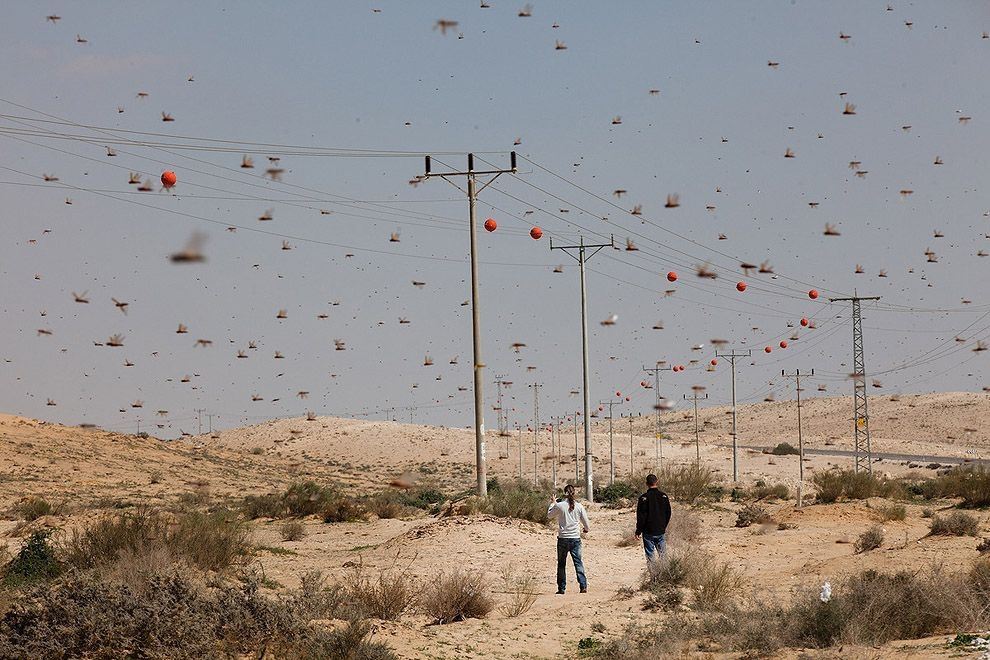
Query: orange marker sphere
(714,362)
(169,179)
(627,398)
(767,349)
(536,233)
(490,224)
(671,276)
(618,394)
(783,344)
(804,322)
(642,383)
(813,294)
(601,408)
(740,286)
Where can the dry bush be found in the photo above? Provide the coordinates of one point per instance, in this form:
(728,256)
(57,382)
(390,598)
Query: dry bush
(292,530)
(957,523)
(386,596)
(514,499)
(522,591)
(888,512)
(983,547)
(686,483)
(343,509)
(306,498)
(714,585)
(627,540)
(684,526)
(174,617)
(270,505)
(32,508)
(386,505)
(785,449)
(752,514)
(208,541)
(871,539)
(456,596)
(764,491)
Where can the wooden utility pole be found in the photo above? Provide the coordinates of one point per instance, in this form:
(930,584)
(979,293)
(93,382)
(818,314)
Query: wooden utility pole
(697,440)
(611,444)
(732,356)
(797,382)
(658,436)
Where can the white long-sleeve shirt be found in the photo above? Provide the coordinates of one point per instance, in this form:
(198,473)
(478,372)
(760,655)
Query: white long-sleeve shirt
(569,522)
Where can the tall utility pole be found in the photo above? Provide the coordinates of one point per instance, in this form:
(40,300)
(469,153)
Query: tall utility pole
(658,435)
(611,446)
(631,468)
(199,419)
(697,438)
(554,446)
(209,418)
(861,412)
(732,356)
(582,257)
(479,366)
(536,430)
(503,420)
(797,382)
(519,428)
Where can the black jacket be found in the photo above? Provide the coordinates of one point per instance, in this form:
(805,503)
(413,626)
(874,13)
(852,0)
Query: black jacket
(652,512)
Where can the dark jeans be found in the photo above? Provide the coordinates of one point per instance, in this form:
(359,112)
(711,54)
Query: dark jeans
(572,547)
(654,544)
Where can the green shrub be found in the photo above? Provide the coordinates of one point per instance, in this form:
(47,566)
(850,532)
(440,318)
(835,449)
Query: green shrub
(833,484)
(764,491)
(424,498)
(686,483)
(307,498)
(785,449)
(957,523)
(971,483)
(871,539)
(270,505)
(615,493)
(36,561)
(515,499)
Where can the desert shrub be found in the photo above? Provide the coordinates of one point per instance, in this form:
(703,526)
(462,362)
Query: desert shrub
(307,498)
(208,541)
(32,508)
(36,561)
(343,509)
(514,499)
(684,526)
(424,498)
(456,596)
(155,477)
(887,512)
(617,492)
(292,530)
(627,540)
(983,547)
(927,513)
(667,639)
(764,491)
(270,505)
(386,505)
(257,451)
(871,539)
(784,449)
(833,484)
(714,585)
(86,616)
(717,585)
(386,596)
(971,483)
(521,591)
(686,483)
(957,523)
(752,514)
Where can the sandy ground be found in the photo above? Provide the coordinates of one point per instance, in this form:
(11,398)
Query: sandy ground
(90,469)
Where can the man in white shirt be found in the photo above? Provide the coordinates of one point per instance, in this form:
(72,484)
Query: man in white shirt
(572,519)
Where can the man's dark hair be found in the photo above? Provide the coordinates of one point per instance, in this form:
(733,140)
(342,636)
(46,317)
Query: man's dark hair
(651,480)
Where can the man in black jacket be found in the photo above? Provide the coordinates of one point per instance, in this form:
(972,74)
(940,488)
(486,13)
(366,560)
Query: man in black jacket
(652,517)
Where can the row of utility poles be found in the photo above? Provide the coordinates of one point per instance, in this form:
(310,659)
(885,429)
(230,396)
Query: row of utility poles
(580,253)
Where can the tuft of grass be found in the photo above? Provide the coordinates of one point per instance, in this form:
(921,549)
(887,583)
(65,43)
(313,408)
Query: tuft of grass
(343,509)
(957,523)
(713,585)
(521,590)
(386,505)
(270,505)
(456,596)
(386,596)
(514,499)
(764,491)
(983,547)
(686,483)
(888,512)
(307,498)
(871,539)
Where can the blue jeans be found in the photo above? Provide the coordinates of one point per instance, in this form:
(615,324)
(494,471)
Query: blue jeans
(572,547)
(654,544)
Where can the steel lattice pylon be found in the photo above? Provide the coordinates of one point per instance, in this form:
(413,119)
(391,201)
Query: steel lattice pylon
(861,412)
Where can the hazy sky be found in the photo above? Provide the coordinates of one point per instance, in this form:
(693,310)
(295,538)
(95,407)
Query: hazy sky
(344,78)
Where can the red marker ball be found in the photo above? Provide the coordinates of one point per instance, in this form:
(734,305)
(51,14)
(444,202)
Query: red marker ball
(813,294)
(767,349)
(536,233)
(168,178)
(671,276)
(804,322)
(627,398)
(642,383)
(490,224)
(740,286)
(618,394)
(714,362)
(783,344)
